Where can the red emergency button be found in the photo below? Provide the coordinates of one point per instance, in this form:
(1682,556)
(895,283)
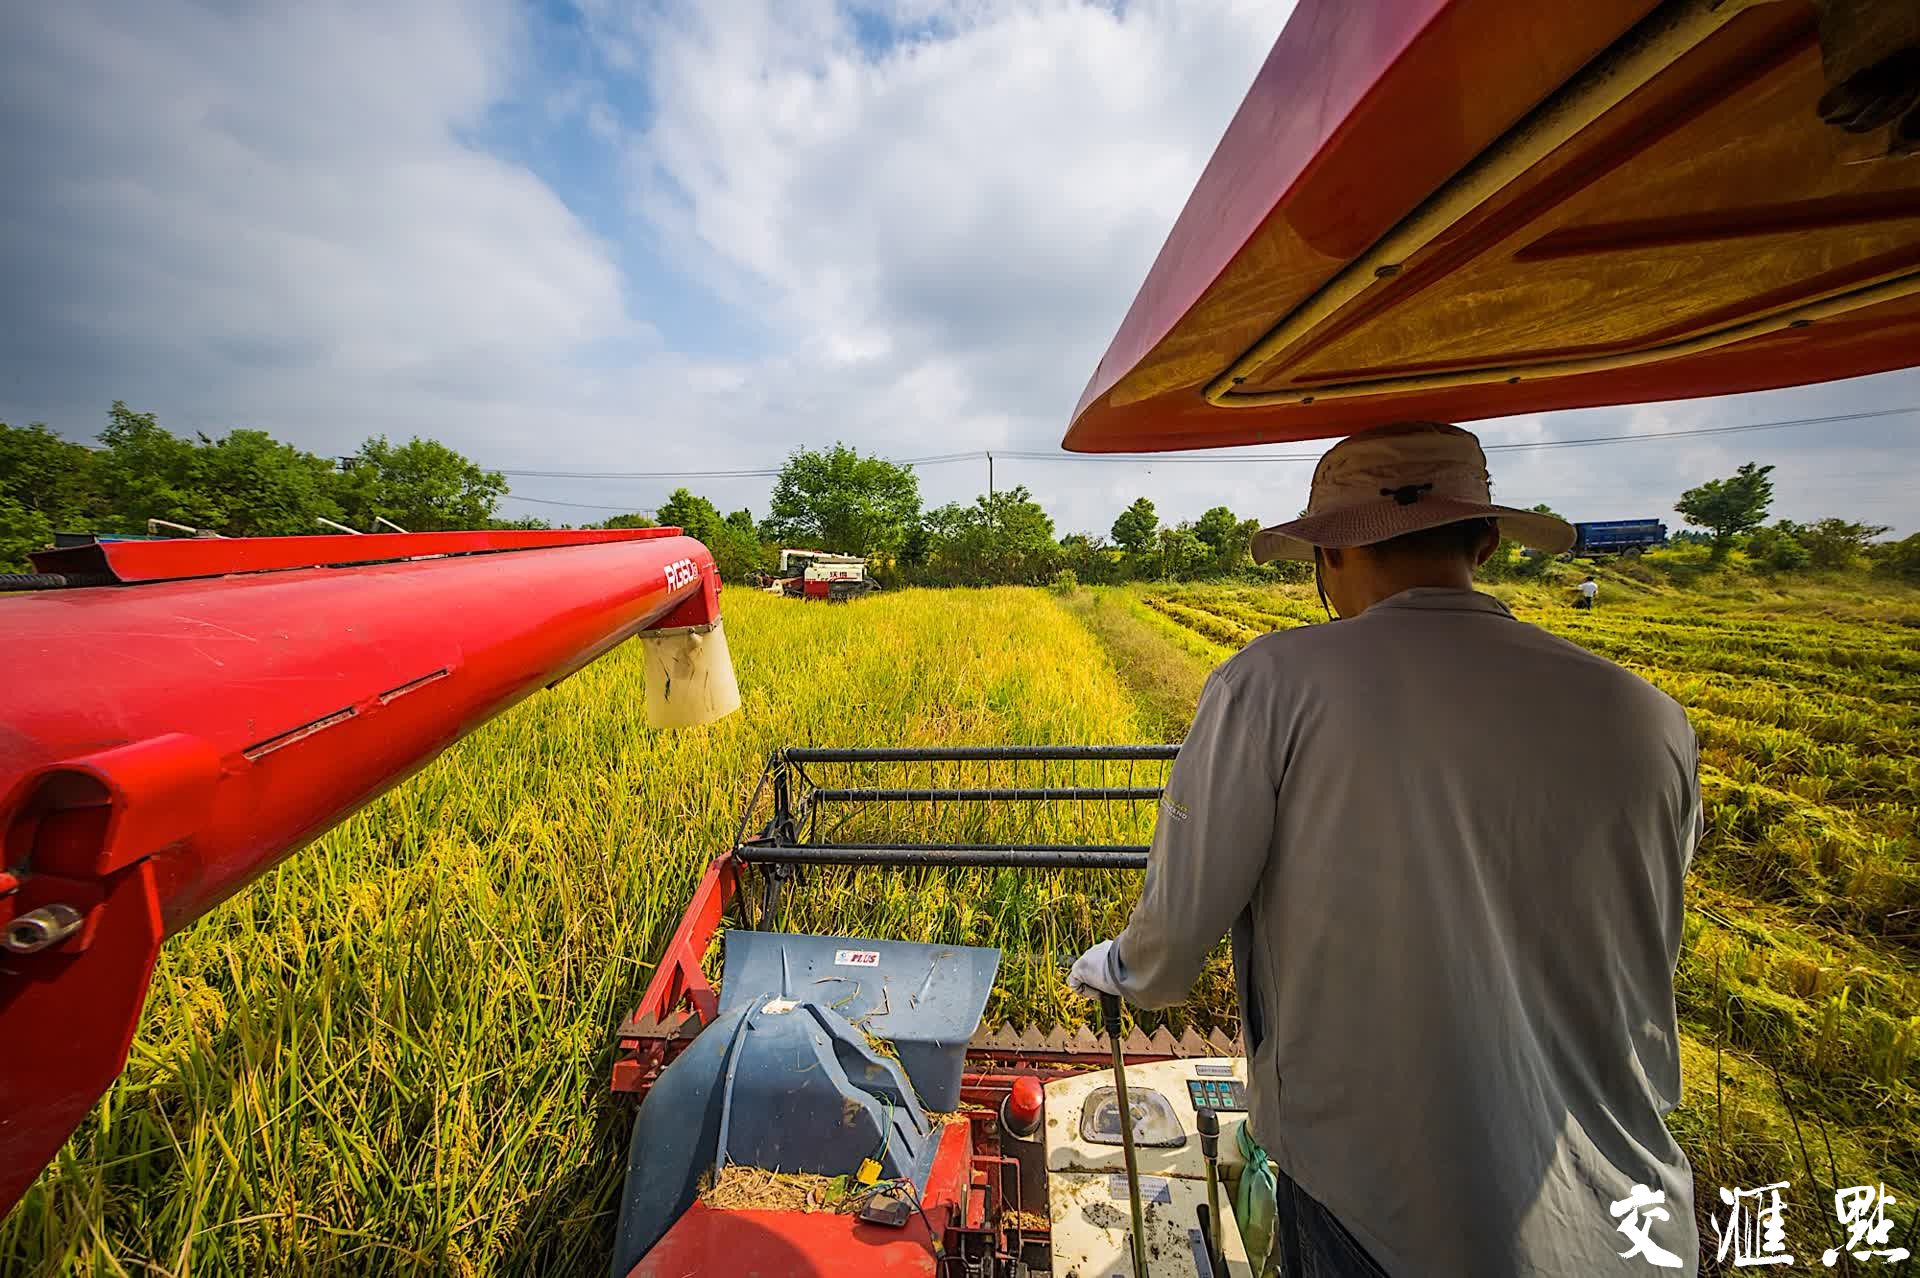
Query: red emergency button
(1023,1105)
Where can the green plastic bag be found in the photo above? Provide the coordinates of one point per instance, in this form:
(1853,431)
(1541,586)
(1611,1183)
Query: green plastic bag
(1256,1204)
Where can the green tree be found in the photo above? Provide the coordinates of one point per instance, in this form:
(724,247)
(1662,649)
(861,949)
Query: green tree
(1000,538)
(251,485)
(731,539)
(145,472)
(1228,540)
(1133,530)
(840,501)
(46,486)
(23,530)
(1183,556)
(917,546)
(1837,543)
(421,485)
(1779,547)
(692,514)
(1026,551)
(1729,507)
(1899,558)
(634,520)
(46,473)
(1089,558)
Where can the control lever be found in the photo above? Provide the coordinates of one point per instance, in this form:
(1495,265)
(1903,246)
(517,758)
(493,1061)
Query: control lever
(1207,1123)
(1110,1013)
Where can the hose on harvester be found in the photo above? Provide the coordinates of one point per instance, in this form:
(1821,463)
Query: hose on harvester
(52,580)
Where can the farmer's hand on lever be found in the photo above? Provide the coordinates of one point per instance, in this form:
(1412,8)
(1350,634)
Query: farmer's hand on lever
(1091,975)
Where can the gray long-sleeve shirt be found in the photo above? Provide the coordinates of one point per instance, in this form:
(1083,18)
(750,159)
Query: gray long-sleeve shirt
(1450,848)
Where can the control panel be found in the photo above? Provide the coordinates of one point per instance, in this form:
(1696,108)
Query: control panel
(1162,1095)
(1086,1168)
(1222,1095)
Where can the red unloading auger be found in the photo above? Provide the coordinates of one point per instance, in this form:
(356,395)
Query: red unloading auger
(168,736)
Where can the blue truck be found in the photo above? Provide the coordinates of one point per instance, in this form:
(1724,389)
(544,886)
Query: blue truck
(1618,537)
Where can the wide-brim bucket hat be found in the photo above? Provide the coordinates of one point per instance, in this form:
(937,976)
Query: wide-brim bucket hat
(1398,479)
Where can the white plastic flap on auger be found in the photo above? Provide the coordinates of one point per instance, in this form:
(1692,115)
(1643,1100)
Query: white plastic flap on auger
(690,677)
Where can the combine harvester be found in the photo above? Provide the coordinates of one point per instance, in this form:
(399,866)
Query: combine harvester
(818,574)
(1445,209)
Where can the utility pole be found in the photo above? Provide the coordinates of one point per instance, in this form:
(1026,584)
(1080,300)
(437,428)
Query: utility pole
(993,517)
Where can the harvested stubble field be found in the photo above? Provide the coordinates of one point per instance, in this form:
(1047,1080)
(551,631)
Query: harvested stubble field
(391,1055)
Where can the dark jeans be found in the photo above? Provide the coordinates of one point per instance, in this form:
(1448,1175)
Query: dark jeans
(1310,1243)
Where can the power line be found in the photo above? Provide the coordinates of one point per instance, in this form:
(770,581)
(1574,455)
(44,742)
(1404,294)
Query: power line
(1213,459)
(578,505)
(1162,459)
(582,505)
(756,472)
(1704,430)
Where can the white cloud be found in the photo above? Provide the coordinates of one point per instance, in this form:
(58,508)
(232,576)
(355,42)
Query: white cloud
(271,214)
(945,231)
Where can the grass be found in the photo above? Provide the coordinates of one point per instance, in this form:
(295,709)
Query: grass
(390,1056)
(1165,691)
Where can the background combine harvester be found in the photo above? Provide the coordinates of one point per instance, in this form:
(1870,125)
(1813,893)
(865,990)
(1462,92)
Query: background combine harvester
(1631,201)
(819,574)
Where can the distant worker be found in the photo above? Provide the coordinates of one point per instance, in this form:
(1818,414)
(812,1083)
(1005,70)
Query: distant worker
(1586,591)
(1450,849)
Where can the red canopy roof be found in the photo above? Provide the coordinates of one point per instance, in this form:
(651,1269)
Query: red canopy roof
(1458,209)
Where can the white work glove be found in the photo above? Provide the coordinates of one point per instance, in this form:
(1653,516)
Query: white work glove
(1089,977)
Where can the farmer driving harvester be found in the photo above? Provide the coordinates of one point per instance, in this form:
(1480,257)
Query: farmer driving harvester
(1449,847)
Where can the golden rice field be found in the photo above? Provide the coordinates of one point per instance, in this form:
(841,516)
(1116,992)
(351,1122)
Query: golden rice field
(391,1055)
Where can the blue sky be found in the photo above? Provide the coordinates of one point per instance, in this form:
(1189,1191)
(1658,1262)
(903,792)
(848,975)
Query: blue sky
(630,239)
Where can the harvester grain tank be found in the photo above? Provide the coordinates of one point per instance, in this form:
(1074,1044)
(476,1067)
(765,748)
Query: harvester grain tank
(217,703)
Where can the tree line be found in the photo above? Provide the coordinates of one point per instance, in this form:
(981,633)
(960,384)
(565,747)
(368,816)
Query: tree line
(246,483)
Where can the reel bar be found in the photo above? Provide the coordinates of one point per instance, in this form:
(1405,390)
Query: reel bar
(987,793)
(971,754)
(1033,856)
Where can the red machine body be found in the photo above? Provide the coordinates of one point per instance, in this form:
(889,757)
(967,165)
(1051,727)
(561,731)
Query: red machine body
(1458,209)
(165,742)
